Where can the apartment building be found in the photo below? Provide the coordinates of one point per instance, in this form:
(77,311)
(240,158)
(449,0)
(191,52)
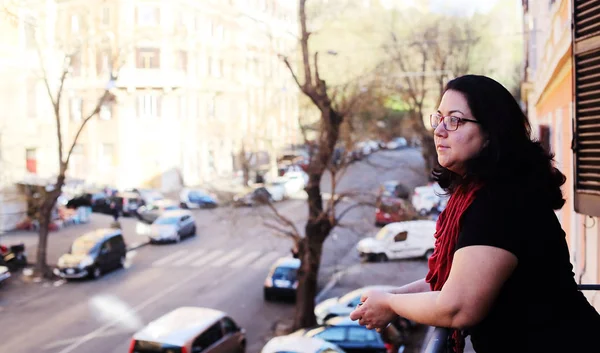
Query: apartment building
(198,78)
(560,91)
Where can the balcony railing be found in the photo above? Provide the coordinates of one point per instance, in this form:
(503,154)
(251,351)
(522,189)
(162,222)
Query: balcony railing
(437,340)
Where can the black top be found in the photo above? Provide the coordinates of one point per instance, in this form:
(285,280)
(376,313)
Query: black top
(539,308)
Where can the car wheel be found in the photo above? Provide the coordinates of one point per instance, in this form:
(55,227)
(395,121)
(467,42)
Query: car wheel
(122,261)
(428,254)
(381,258)
(96,272)
(328,317)
(177,238)
(243,347)
(268,296)
(183,205)
(193,231)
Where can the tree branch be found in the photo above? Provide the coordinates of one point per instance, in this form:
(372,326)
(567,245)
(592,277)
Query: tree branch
(304,44)
(283,219)
(294,236)
(344,212)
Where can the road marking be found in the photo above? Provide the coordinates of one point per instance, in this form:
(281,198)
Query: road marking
(267,259)
(189,258)
(227,258)
(246,259)
(100,331)
(107,333)
(170,257)
(207,258)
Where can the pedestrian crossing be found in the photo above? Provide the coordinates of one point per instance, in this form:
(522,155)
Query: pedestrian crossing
(234,258)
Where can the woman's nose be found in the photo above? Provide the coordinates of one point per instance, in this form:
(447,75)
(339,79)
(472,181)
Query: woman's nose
(440,130)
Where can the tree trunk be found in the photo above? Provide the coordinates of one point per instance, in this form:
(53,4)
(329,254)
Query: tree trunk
(41,266)
(308,273)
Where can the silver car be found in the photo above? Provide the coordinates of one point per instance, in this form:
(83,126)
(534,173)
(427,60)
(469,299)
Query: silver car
(190,330)
(172,226)
(343,306)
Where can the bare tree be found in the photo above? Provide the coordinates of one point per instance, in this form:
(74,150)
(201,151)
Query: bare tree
(55,80)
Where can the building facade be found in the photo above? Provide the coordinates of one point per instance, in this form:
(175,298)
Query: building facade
(548,94)
(197,79)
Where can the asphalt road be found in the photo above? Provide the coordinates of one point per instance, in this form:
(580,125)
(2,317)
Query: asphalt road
(223,267)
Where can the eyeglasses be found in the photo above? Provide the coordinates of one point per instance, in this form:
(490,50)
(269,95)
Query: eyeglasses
(451,123)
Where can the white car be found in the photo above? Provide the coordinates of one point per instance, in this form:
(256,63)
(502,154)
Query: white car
(277,190)
(190,329)
(299,344)
(342,306)
(429,198)
(4,273)
(293,182)
(400,240)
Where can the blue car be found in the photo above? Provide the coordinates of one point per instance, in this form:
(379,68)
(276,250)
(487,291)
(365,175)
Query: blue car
(197,198)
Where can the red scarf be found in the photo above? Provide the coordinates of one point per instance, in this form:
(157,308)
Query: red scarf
(447,229)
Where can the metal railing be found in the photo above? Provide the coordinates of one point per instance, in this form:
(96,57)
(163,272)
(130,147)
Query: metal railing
(437,338)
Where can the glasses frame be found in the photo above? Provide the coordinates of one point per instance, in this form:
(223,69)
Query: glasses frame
(443,121)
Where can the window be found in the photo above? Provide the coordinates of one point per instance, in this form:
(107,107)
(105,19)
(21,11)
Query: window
(208,338)
(29,28)
(147,58)
(361,334)
(182,60)
(228,325)
(76,64)
(76,109)
(107,152)
(105,16)
(332,334)
(102,62)
(74,24)
(212,107)
(147,15)
(105,112)
(586,134)
(32,101)
(401,236)
(148,106)
(182,103)
(31,160)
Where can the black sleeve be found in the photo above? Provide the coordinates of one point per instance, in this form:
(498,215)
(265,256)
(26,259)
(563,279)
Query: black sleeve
(494,221)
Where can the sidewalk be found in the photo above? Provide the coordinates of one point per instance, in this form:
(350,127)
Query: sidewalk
(60,241)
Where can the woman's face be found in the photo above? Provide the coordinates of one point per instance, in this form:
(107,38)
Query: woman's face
(455,148)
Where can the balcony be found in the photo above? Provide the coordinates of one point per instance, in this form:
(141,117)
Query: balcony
(151,78)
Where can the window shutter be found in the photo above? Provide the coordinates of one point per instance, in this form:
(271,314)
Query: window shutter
(586,124)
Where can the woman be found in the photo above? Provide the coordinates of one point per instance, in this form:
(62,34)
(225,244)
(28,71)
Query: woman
(500,270)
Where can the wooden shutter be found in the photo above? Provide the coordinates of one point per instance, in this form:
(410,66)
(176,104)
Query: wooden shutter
(586,122)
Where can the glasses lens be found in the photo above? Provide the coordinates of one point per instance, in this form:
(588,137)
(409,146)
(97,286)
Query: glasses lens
(434,119)
(452,123)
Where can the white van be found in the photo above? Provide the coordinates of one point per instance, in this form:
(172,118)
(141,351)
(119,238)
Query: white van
(400,240)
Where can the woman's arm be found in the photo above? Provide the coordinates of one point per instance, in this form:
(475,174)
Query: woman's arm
(476,277)
(418,286)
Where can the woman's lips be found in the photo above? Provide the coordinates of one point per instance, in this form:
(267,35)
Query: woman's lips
(442,147)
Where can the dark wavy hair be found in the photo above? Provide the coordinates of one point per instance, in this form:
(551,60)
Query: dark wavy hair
(511,159)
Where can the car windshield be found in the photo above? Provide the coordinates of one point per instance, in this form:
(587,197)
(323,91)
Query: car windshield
(384,233)
(285,273)
(82,246)
(166,221)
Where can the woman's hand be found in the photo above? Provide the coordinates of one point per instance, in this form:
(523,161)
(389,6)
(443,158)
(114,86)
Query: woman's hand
(375,311)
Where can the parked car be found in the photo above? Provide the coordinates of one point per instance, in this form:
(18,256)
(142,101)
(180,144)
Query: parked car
(93,254)
(128,202)
(190,330)
(391,210)
(13,256)
(150,212)
(148,195)
(99,201)
(172,226)
(344,305)
(4,274)
(294,182)
(258,196)
(427,199)
(197,198)
(396,143)
(299,344)
(350,336)
(400,240)
(282,280)
(277,189)
(393,188)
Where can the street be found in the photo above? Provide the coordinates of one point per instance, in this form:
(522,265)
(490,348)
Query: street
(222,267)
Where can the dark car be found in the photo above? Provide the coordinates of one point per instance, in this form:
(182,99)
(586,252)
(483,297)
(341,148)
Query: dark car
(99,201)
(128,202)
(93,254)
(150,212)
(282,280)
(197,198)
(350,336)
(258,196)
(392,205)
